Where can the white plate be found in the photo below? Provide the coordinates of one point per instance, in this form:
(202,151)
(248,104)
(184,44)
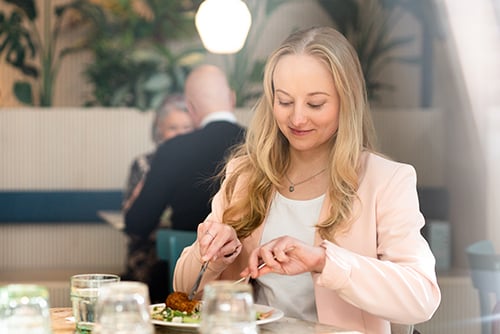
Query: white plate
(276,315)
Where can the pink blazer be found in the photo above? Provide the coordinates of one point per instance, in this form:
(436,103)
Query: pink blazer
(380,271)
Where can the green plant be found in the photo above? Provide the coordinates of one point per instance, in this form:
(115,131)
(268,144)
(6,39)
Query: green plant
(368,25)
(134,63)
(31,51)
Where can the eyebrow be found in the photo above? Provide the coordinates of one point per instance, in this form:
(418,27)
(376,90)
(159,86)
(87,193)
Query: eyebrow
(309,94)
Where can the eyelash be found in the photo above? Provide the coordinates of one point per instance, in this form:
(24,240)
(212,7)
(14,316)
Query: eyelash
(286,104)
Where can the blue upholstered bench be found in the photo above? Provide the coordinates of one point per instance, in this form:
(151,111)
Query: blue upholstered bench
(57,206)
(82,205)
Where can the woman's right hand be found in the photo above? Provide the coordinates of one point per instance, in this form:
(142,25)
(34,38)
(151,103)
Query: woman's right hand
(218,242)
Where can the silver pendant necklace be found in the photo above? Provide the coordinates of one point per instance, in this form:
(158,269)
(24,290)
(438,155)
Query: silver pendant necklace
(292,186)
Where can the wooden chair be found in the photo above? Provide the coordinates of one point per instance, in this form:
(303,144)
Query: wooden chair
(484,266)
(169,246)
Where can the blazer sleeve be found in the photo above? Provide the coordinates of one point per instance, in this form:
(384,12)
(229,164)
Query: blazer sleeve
(399,284)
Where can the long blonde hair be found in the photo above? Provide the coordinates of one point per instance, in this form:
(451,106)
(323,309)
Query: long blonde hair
(264,156)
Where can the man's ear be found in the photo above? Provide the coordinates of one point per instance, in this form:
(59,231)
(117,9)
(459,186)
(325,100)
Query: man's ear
(192,113)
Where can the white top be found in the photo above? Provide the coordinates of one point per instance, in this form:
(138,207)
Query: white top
(219,116)
(291,294)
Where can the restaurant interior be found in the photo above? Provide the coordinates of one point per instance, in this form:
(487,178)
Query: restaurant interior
(71,121)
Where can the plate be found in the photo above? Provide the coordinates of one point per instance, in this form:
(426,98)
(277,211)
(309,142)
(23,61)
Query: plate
(276,315)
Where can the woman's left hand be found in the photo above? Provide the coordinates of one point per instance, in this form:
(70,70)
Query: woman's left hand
(285,255)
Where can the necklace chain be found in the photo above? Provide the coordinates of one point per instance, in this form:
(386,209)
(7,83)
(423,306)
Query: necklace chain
(292,186)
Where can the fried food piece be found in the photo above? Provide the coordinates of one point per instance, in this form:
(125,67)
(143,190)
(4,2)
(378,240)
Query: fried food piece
(179,301)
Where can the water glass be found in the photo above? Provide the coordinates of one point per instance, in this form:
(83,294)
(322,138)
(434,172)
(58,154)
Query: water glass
(85,290)
(24,309)
(123,308)
(228,308)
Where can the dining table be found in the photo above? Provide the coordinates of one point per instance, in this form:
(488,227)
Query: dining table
(62,324)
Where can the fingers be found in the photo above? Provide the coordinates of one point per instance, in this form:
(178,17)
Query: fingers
(274,255)
(218,240)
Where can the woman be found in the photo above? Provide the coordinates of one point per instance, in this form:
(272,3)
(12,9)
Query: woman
(171,119)
(337,224)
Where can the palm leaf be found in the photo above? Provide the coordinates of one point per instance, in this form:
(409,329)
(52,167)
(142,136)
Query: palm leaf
(26,6)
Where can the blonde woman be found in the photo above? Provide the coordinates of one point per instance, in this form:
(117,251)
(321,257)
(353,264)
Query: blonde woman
(337,224)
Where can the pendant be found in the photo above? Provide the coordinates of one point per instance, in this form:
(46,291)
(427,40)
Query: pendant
(291,188)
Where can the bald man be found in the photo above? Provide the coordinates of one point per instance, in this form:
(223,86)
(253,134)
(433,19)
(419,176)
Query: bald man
(181,174)
(182,170)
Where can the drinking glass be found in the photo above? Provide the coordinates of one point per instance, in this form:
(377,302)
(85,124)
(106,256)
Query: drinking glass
(85,290)
(228,308)
(123,308)
(24,309)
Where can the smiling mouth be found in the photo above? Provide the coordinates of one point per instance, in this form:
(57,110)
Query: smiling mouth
(299,132)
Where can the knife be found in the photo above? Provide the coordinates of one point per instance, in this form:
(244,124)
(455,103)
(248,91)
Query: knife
(198,280)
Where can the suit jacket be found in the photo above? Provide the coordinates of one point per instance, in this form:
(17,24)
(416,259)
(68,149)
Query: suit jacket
(181,176)
(380,271)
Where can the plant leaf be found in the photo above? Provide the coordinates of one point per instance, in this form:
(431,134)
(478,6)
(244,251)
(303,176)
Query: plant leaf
(27,6)
(23,92)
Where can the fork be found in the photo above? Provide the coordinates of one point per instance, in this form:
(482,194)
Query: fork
(262,265)
(244,278)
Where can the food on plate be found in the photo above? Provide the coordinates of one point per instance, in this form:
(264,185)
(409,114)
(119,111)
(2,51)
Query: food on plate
(179,309)
(166,314)
(179,301)
(264,315)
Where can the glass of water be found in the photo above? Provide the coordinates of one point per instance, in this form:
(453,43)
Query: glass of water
(123,308)
(24,309)
(228,308)
(85,290)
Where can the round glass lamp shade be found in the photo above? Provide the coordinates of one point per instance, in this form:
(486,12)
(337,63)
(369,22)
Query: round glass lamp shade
(223,25)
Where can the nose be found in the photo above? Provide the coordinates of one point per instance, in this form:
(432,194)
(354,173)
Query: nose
(298,116)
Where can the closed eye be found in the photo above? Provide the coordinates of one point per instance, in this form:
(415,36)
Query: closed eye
(284,103)
(315,106)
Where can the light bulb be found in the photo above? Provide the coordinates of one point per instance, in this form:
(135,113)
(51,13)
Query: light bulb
(223,25)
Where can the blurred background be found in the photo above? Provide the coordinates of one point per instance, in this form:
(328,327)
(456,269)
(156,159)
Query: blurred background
(80,80)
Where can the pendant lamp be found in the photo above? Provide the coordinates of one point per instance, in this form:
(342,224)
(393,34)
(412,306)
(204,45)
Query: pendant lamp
(223,25)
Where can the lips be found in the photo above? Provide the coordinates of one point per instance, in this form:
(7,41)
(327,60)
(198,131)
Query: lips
(298,132)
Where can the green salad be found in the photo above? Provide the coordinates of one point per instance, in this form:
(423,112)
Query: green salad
(163,313)
(166,314)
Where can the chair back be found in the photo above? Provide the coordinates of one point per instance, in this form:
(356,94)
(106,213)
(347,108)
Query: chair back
(401,329)
(169,246)
(484,266)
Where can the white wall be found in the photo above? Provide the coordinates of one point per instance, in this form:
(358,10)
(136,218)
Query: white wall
(70,148)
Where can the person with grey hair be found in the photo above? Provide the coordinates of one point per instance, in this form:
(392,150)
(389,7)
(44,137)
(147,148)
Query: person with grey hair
(171,119)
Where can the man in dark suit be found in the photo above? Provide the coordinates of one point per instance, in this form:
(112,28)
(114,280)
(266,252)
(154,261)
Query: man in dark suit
(182,173)
(183,169)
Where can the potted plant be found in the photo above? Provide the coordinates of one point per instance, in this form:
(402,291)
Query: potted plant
(33,51)
(135,61)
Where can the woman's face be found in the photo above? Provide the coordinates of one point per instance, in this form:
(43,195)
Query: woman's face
(306,104)
(175,123)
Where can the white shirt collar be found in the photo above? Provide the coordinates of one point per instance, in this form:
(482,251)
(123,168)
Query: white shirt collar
(218,116)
